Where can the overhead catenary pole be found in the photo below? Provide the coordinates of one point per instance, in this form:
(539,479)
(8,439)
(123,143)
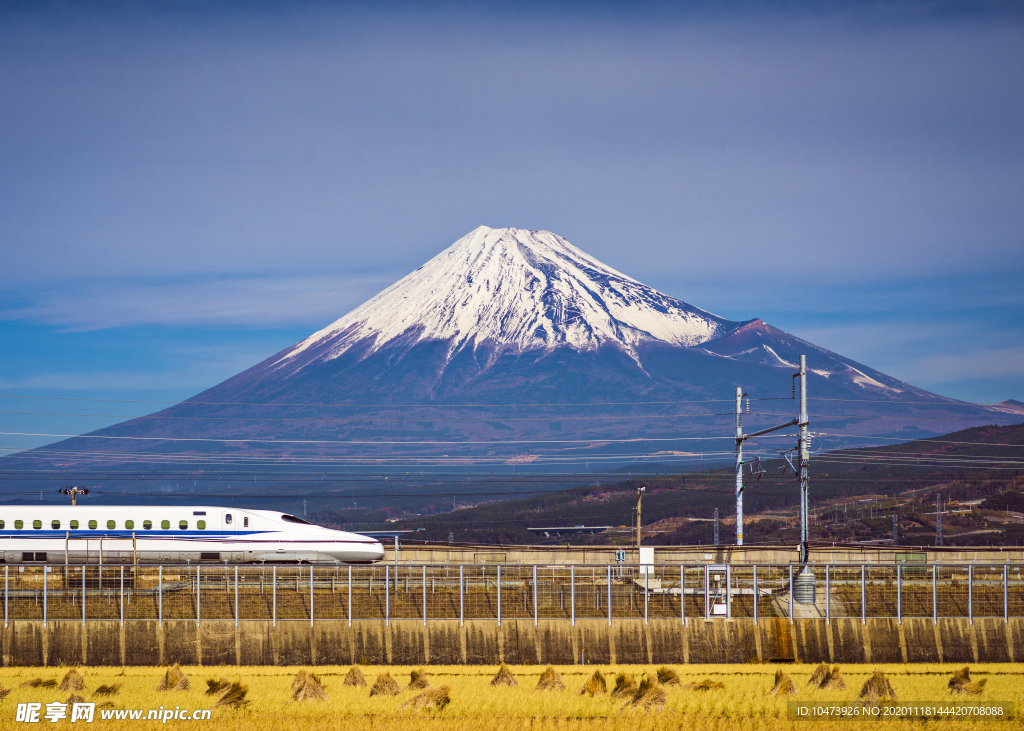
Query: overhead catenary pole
(739,470)
(804,461)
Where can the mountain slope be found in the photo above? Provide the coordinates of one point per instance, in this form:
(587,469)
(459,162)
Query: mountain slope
(515,345)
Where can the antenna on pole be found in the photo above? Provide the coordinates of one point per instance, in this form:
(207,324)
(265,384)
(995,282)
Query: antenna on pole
(74,492)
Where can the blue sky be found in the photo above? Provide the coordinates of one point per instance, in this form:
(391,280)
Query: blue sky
(186,189)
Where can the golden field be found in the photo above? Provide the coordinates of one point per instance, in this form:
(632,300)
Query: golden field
(743,704)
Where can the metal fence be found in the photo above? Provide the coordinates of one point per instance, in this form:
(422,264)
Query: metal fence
(503,592)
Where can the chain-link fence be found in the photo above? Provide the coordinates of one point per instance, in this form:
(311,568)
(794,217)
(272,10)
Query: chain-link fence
(505,592)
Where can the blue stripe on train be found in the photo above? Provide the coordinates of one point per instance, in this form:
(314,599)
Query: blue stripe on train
(78,533)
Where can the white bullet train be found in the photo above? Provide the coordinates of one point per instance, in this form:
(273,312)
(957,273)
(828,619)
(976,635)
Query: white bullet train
(106,534)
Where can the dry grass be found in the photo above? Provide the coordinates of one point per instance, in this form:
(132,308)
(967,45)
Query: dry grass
(784,685)
(819,675)
(418,680)
(174,679)
(39,683)
(550,680)
(385,685)
(595,685)
(105,690)
(72,681)
(668,676)
(742,705)
(960,683)
(307,687)
(704,685)
(216,686)
(505,677)
(234,697)
(834,680)
(650,696)
(878,689)
(625,686)
(354,678)
(436,698)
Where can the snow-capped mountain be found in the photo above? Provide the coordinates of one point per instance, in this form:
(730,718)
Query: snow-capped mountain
(516,290)
(504,345)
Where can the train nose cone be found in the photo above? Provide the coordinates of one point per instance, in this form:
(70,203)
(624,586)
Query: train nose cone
(377,551)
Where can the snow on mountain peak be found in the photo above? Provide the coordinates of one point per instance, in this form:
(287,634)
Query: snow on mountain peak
(515,289)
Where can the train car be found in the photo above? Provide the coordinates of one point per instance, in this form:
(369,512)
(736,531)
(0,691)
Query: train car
(79,534)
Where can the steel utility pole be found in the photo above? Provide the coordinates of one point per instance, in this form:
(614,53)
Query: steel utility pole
(716,526)
(895,537)
(740,438)
(739,471)
(938,519)
(639,498)
(804,461)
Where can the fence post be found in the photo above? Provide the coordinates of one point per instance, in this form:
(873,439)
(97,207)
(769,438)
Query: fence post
(899,593)
(647,584)
(199,597)
(424,595)
(572,595)
(236,596)
(462,601)
(707,593)
(83,595)
(682,593)
(970,594)
(121,596)
(728,591)
(7,593)
(160,594)
(790,591)
(1006,594)
(387,594)
(609,595)
(311,595)
(350,596)
(863,597)
(273,601)
(935,595)
(755,593)
(535,615)
(44,596)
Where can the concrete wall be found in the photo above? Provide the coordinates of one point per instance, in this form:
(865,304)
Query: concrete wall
(690,555)
(444,642)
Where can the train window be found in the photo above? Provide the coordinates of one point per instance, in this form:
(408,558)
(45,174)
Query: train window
(147,524)
(55,525)
(183,525)
(227,518)
(129,524)
(92,525)
(1,525)
(245,522)
(111,525)
(19,524)
(293,519)
(201,524)
(74,525)
(37,524)
(165,525)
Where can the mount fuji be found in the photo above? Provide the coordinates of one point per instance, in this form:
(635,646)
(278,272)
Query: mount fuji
(516,345)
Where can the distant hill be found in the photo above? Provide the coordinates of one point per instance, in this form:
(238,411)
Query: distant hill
(854,494)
